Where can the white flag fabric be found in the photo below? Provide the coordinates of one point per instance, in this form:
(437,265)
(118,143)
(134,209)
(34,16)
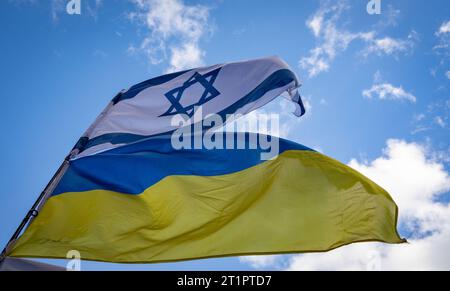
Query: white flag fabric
(147,109)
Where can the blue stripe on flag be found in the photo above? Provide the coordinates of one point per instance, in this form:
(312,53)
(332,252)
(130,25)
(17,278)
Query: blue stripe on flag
(133,168)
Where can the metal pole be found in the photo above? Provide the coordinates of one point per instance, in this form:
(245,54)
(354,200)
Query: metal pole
(45,195)
(37,206)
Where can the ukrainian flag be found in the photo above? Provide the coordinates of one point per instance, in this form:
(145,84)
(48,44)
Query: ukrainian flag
(146,202)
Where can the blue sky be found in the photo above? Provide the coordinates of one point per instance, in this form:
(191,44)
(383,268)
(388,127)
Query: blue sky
(377,89)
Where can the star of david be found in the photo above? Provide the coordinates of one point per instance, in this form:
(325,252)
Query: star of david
(174,96)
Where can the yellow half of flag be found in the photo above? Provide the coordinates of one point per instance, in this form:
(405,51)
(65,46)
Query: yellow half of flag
(143,203)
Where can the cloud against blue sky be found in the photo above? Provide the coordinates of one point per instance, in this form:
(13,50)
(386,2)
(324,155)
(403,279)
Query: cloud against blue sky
(376,88)
(174,32)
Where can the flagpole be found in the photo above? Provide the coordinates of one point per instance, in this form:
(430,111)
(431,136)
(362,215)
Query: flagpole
(45,195)
(37,206)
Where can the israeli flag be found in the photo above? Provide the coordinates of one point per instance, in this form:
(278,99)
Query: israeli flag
(147,109)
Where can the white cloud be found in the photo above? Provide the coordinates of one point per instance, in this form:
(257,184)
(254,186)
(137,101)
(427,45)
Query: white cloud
(316,63)
(440,121)
(444,28)
(435,118)
(416,178)
(323,24)
(189,55)
(259,262)
(175,31)
(447,74)
(443,35)
(390,46)
(386,91)
(421,254)
(315,24)
(332,39)
(420,129)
